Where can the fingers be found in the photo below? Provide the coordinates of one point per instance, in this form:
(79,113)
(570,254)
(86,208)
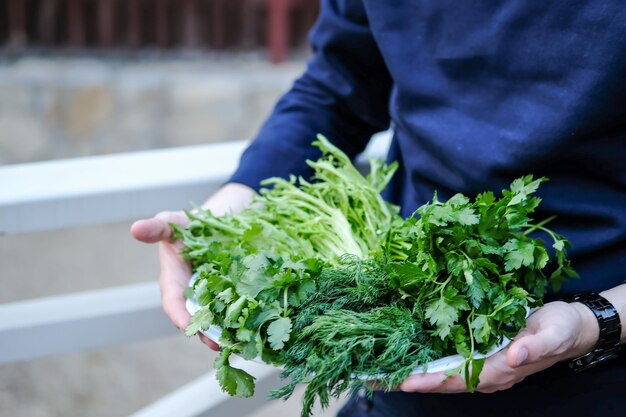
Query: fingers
(157,228)
(174,278)
(435,382)
(208,342)
(150,230)
(533,348)
(175,272)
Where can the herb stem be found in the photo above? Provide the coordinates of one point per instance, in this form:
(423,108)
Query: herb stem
(539,226)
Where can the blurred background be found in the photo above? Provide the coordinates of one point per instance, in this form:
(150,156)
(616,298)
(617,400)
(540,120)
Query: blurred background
(83,77)
(80,78)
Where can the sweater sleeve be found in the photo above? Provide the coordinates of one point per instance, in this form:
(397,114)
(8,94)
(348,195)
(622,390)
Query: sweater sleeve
(343,94)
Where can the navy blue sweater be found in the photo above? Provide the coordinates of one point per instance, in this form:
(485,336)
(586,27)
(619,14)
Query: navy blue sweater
(478,93)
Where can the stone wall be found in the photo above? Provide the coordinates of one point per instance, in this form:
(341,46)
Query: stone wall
(68,107)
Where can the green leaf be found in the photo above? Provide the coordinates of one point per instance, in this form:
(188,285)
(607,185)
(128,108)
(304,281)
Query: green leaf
(243,334)
(441,215)
(541,257)
(443,313)
(302,293)
(461,340)
(481,329)
(232,380)
(458,200)
(279,332)
(200,320)
(467,217)
(518,253)
(233,312)
(491,250)
(250,350)
(485,199)
(227,295)
(469,276)
(523,187)
(253,236)
(476,369)
(255,277)
(217,284)
(189,293)
(477,289)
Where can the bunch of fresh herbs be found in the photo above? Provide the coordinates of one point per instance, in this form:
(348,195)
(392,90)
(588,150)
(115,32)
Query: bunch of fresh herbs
(325,278)
(255,268)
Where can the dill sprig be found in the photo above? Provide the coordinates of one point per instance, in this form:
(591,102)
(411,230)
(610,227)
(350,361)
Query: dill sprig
(357,327)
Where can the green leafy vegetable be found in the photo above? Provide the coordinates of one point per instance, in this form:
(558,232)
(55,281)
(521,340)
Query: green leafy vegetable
(257,267)
(324,278)
(278,332)
(356,327)
(232,380)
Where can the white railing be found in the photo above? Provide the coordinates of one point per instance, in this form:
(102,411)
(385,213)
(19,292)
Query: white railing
(97,190)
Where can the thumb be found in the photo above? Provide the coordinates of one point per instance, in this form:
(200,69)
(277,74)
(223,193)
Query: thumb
(157,228)
(532,348)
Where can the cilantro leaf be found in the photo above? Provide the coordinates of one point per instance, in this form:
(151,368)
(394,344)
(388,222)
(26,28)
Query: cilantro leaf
(201,320)
(278,332)
(234,381)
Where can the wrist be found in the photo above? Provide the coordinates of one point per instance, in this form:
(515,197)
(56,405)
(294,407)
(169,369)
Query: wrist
(232,197)
(617,297)
(608,332)
(589,332)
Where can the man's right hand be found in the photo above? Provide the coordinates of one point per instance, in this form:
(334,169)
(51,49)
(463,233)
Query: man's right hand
(175,271)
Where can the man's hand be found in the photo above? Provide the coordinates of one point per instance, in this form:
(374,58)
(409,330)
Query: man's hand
(555,332)
(175,271)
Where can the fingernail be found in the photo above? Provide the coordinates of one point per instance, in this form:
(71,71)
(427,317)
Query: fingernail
(522,355)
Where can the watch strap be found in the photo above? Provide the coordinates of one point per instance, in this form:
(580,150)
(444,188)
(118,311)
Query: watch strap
(608,346)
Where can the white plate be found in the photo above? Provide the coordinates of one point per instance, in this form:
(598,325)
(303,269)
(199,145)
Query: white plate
(438,365)
(446,363)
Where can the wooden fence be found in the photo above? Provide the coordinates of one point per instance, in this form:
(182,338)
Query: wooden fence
(158,24)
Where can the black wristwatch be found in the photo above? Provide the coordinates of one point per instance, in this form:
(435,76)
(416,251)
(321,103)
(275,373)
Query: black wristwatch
(608,346)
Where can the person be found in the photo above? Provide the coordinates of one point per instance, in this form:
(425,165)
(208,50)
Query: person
(477,94)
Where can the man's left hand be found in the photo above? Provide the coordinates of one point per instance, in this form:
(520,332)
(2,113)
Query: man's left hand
(558,331)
